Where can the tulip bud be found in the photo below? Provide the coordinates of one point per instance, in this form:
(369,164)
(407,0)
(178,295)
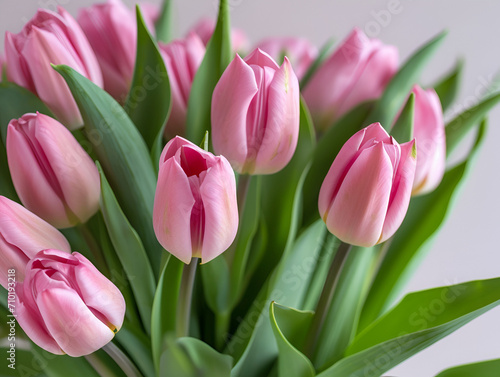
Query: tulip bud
(431,143)
(22,235)
(255,114)
(206,26)
(182,60)
(195,211)
(51,38)
(365,195)
(299,50)
(65,305)
(357,71)
(112,32)
(53,176)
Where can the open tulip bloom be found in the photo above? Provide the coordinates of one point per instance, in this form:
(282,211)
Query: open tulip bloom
(217,216)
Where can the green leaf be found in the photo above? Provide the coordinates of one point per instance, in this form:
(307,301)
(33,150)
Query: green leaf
(189,357)
(322,56)
(26,364)
(290,328)
(424,218)
(148,102)
(217,57)
(130,251)
(6,186)
(325,152)
(123,155)
(458,128)
(164,23)
(402,130)
(488,368)
(398,88)
(447,88)
(253,345)
(163,318)
(15,101)
(418,321)
(138,347)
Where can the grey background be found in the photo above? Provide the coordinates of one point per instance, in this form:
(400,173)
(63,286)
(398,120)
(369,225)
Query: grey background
(467,247)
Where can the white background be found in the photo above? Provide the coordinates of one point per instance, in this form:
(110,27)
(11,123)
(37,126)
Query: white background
(467,247)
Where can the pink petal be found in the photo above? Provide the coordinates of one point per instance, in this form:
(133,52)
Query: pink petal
(261,59)
(73,326)
(17,69)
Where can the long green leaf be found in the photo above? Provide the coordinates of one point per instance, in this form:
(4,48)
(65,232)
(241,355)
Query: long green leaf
(163,319)
(398,88)
(130,251)
(163,25)
(425,216)
(403,128)
(189,357)
(123,155)
(148,102)
(458,128)
(447,88)
(217,57)
(488,368)
(290,329)
(418,321)
(138,347)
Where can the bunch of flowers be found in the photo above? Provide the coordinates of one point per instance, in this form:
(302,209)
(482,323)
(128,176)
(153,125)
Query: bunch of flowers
(191,207)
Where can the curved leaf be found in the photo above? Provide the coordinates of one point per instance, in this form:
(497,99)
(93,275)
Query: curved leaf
(163,27)
(148,102)
(447,88)
(123,155)
(402,130)
(398,88)
(488,368)
(290,326)
(217,57)
(130,251)
(137,346)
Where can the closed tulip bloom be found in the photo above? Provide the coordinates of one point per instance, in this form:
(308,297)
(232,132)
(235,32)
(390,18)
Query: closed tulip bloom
(365,195)
(53,176)
(112,32)
(299,50)
(255,114)
(182,60)
(66,306)
(431,143)
(195,211)
(359,70)
(205,27)
(51,38)
(22,235)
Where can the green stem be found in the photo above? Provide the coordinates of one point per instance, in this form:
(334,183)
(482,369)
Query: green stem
(222,321)
(186,298)
(326,297)
(121,360)
(94,248)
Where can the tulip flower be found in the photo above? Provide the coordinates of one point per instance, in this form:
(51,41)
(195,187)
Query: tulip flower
(182,60)
(52,174)
(255,114)
(299,50)
(357,71)
(365,195)
(111,29)
(431,143)
(22,235)
(51,38)
(195,211)
(65,305)
(206,26)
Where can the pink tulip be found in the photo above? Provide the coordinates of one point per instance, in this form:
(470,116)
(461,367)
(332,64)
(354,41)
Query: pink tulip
(51,38)
(22,235)
(431,142)
(65,305)
(205,27)
(195,212)
(182,60)
(53,176)
(299,50)
(112,32)
(365,195)
(255,114)
(357,71)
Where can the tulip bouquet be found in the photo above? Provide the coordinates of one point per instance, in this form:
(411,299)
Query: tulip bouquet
(193,207)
